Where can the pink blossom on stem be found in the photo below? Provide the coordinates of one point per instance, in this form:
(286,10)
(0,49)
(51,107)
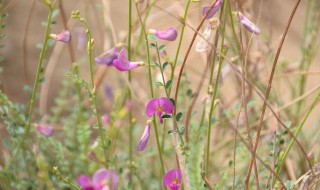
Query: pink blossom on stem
(214,10)
(169,34)
(159,106)
(172,179)
(45,130)
(145,138)
(123,64)
(64,36)
(103,179)
(249,25)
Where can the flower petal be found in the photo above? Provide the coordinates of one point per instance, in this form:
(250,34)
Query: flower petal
(114,179)
(122,63)
(100,176)
(64,36)
(166,104)
(170,34)
(84,181)
(203,44)
(249,25)
(144,139)
(214,10)
(108,57)
(152,106)
(45,130)
(170,177)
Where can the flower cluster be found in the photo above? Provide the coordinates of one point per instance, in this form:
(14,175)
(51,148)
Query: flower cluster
(156,106)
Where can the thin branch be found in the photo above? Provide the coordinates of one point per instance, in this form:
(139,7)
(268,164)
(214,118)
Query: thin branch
(275,62)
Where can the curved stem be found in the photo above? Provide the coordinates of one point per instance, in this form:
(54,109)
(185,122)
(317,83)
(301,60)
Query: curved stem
(305,117)
(36,83)
(180,42)
(94,97)
(215,91)
(275,62)
(151,87)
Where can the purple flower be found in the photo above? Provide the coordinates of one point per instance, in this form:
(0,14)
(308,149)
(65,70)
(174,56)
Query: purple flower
(214,10)
(64,36)
(248,24)
(45,130)
(145,138)
(123,64)
(92,156)
(100,181)
(158,106)
(107,57)
(170,34)
(172,179)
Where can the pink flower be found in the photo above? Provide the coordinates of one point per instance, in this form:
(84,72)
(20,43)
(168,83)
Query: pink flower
(248,24)
(145,138)
(108,57)
(214,10)
(64,36)
(45,130)
(170,34)
(172,179)
(159,106)
(123,64)
(100,181)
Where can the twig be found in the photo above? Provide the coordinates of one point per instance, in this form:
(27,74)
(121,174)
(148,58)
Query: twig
(269,90)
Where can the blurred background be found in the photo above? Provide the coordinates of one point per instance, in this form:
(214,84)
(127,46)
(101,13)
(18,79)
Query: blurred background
(108,20)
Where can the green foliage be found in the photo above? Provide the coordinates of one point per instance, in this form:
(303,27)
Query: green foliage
(194,158)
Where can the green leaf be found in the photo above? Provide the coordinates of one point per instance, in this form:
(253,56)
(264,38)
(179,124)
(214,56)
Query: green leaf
(181,130)
(165,64)
(162,47)
(55,13)
(168,84)
(288,123)
(189,92)
(289,184)
(179,116)
(152,37)
(251,103)
(158,83)
(152,45)
(166,116)
(173,101)
(152,63)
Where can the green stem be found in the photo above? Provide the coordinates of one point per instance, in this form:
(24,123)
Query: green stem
(306,49)
(141,31)
(93,93)
(129,92)
(151,87)
(36,83)
(180,42)
(161,70)
(305,117)
(212,107)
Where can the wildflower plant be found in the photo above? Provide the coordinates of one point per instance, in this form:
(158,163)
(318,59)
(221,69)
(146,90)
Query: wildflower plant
(189,94)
